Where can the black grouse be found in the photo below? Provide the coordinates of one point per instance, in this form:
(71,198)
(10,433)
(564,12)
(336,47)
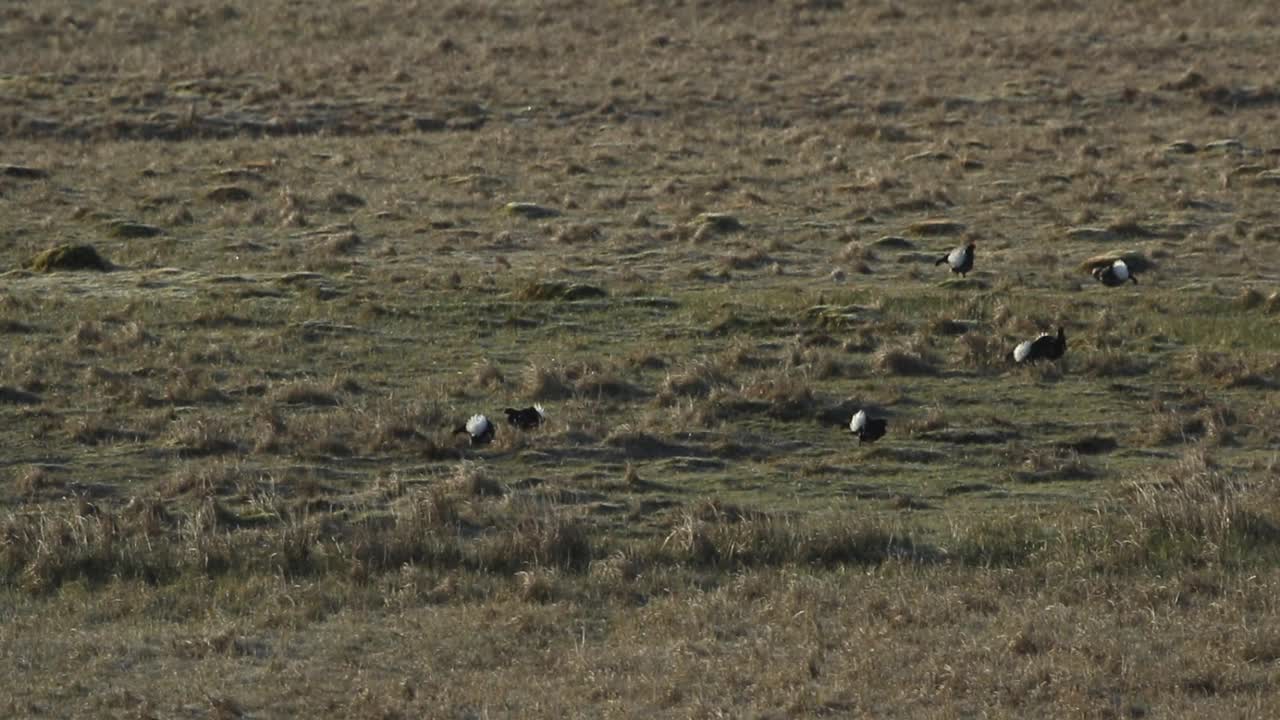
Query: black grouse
(1044,347)
(868,429)
(1115,274)
(526,418)
(960,259)
(478,429)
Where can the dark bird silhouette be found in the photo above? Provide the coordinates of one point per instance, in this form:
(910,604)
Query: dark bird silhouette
(478,429)
(960,259)
(868,429)
(526,418)
(1115,274)
(1044,347)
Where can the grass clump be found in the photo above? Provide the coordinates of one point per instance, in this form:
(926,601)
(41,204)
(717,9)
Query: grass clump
(229,194)
(558,290)
(695,379)
(1194,511)
(545,382)
(69,257)
(904,360)
(530,211)
(126,230)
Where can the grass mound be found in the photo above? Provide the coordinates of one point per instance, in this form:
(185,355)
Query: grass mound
(228,194)
(558,290)
(718,222)
(69,257)
(937,226)
(126,230)
(528,210)
(903,361)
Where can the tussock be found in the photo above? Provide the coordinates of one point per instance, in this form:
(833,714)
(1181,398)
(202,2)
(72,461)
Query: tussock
(229,194)
(558,290)
(1195,501)
(1113,363)
(696,379)
(69,257)
(903,360)
(471,479)
(544,382)
(128,230)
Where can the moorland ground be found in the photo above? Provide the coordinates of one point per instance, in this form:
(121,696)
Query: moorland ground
(701,234)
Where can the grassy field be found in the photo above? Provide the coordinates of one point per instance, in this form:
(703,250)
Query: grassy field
(702,234)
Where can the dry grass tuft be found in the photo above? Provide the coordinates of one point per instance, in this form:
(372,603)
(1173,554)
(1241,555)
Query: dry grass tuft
(1054,464)
(695,379)
(787,397)
(603,383)
(304,393)
(980,351)
(745,260)
(1195,501)
(578,233)
(69,257)
(537,586)
(544,382)
(1114,363)
(487,375)
(1250,298)
(558,290)
(933,420)
(904,360)
(472,479)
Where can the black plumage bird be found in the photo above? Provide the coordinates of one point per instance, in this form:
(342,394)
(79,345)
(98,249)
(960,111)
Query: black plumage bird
(1044,347)
(868,429)
(960,259)
(479,429)
(1115,274)
(526,418)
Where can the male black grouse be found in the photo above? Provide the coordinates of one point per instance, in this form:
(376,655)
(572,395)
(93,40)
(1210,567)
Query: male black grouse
(960,259)
(1044,347)
(478,429)
(526,418)
(1115,274)
(868,429)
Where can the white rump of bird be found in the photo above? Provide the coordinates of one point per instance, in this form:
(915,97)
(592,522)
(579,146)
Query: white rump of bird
(541,413)
(1021,352)
(859,421)
(477,425)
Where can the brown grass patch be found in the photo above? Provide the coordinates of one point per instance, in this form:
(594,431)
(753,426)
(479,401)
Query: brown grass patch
(904,360)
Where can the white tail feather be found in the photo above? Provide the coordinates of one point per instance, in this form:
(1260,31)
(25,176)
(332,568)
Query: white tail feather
(1021,352)
(477,425)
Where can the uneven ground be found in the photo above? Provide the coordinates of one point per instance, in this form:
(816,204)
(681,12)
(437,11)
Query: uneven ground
(702,235)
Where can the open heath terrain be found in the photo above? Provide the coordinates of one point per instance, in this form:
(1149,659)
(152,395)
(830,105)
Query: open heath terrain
(259,260)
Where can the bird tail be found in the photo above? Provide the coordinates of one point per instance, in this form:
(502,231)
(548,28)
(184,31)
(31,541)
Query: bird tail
(940,261)
(1134,278)
(461,429)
